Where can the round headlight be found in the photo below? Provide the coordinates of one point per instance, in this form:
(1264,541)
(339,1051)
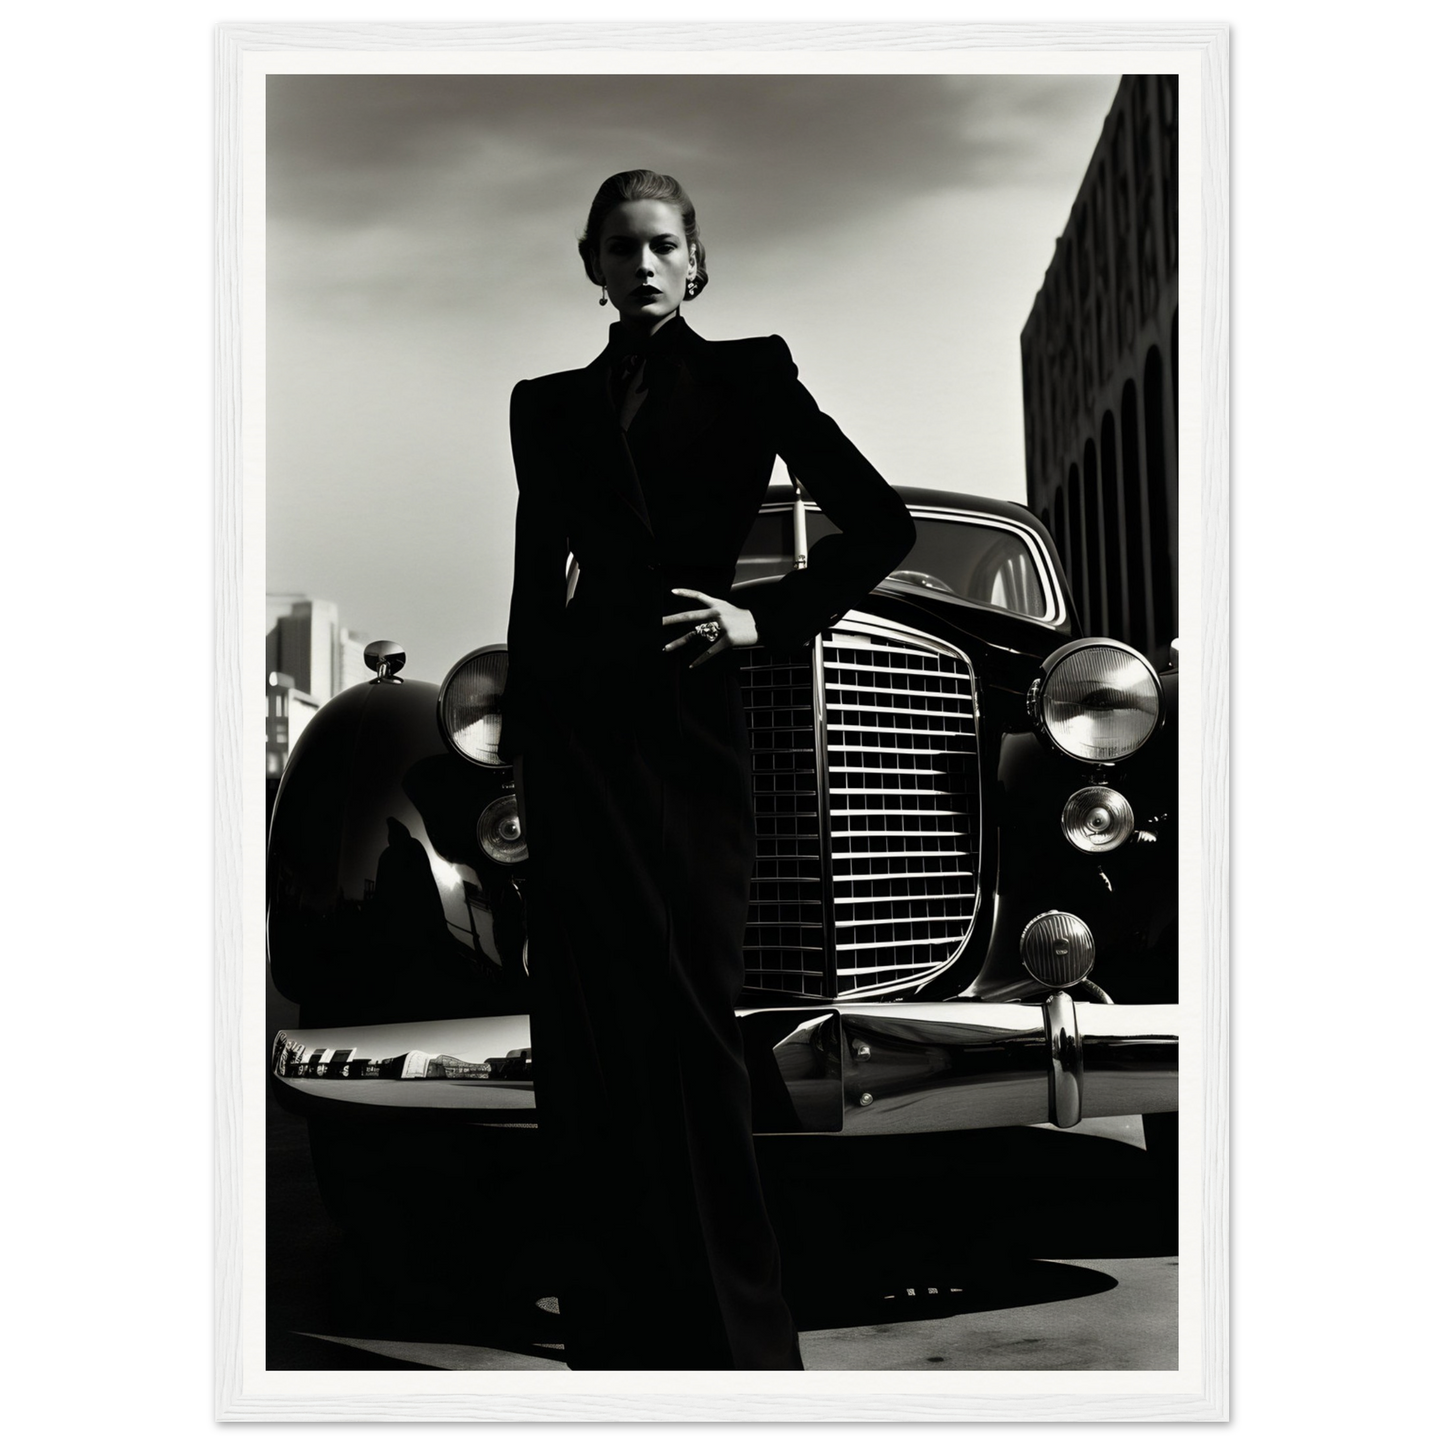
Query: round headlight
(499,831)
(470,706)
(1097,820)
(1097,701)
(1057,949)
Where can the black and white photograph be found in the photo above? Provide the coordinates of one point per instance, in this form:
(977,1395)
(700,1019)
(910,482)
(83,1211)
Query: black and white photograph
(722,644)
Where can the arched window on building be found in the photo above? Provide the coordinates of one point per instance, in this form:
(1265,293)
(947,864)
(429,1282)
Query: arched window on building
(1161,542)
(1076,545)
(1093,551)
(1136,542)
(1113,558)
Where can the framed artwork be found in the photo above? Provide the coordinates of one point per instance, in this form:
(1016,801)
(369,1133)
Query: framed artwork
(1007,253)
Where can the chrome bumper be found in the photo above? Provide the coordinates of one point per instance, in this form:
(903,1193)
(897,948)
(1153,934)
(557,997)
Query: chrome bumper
(854,1069)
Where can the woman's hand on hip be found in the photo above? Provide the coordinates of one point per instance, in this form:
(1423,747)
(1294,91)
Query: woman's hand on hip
(736,627)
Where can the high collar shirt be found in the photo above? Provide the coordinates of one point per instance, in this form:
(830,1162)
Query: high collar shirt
(642,365)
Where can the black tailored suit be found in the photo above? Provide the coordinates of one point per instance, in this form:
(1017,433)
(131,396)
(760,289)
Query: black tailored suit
(636,791)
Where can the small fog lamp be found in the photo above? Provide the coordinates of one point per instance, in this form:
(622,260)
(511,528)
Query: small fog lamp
(499,831)
(1057,949)
(1097,820)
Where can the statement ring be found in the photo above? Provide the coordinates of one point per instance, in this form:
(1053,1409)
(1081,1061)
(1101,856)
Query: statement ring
(708,631)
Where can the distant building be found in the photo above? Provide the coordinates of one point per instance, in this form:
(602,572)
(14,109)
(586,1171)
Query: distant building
(351,665)
(301,640)
(310,657)
(288,710)
(1101,376)
(305,640)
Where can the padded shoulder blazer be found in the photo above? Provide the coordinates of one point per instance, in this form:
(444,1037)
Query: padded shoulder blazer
(716,416)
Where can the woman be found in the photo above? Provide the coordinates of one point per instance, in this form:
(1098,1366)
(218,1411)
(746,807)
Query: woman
(623,716)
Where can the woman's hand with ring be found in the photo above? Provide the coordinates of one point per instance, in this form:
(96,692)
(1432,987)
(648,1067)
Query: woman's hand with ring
(736,625)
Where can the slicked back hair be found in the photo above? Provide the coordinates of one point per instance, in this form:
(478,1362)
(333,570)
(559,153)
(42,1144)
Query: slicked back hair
(638,186)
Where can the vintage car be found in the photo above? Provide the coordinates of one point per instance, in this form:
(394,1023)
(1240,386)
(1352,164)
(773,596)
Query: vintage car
(964,911)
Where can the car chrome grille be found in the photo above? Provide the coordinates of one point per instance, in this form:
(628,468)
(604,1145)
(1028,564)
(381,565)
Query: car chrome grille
(894,839)
(784,946)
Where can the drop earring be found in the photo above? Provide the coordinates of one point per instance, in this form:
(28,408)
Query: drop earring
(602,299)
(691,287)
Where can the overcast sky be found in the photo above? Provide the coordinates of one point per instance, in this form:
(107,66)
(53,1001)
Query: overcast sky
(421,257)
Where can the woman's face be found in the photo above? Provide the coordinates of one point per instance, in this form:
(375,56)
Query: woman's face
(645,260)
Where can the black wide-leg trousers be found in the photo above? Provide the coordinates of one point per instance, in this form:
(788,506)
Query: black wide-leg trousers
(642,843)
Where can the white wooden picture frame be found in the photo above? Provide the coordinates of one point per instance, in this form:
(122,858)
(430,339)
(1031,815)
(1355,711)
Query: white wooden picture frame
(1205,1395)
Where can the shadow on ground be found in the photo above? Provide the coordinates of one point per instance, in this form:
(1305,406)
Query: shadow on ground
(422,1241)
(439,1240)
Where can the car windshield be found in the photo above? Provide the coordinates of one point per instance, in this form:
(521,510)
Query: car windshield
(967,558)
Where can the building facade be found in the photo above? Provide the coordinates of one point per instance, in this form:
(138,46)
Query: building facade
(288,710)
(1100,377)
(310,657)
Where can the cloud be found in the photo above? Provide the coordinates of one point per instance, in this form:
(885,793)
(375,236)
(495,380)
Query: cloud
(899,131)
(428,179)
